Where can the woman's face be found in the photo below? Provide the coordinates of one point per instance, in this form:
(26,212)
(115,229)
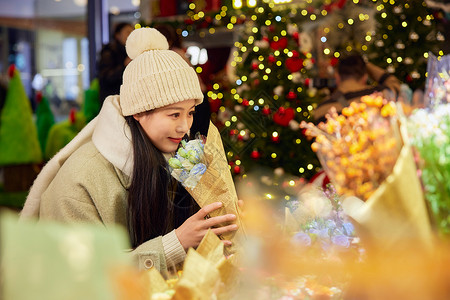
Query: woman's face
(167,125)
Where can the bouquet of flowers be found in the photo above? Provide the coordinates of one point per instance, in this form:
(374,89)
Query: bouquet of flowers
(189,162)
(359,148)
(202,168)
(429,130)
(318,224)
(366,153)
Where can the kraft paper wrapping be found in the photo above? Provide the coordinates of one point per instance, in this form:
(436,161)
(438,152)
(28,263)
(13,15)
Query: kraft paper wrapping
(396,213)
(199,278)
(216,185)
(211,248)
(156,282)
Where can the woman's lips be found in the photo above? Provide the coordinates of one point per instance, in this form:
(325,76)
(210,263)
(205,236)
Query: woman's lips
(176,140)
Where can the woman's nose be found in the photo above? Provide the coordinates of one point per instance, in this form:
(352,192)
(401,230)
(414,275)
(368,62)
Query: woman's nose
(183,125)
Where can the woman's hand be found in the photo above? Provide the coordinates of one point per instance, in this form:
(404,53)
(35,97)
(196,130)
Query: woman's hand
(192,231)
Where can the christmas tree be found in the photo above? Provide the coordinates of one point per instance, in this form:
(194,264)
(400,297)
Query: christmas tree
(270,96)
(91,105)
(18,134)
(63,132)
(44,119)
(406,32)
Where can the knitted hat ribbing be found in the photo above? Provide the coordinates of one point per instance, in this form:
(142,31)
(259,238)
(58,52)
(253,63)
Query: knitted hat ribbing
(156,76)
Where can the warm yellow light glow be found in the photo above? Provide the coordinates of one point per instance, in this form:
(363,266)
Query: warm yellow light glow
(237,4)
(251,3)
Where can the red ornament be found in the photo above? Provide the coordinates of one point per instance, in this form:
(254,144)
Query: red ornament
(256,82)
(72,117)
(231,163)
(341,3)
(275,139)
(307,81)
(295,35)
(334,61)
(237,169)
(283,116)
(295,53)
(271,59)
(266,110)
(254,66)
(280,44)
(214,105)
(245,102)
(291,95)
(240,137)
(408,78)
(233,132)
(11,70)
(265,38)
(255,154)
(39,97)
(294,64)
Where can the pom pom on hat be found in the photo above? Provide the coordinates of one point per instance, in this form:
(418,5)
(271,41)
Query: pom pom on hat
(145,39)
(156,76)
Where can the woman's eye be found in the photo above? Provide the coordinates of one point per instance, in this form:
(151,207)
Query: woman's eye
(192,113)
(175,115)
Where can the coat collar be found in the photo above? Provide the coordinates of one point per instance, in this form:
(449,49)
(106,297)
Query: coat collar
(112,136)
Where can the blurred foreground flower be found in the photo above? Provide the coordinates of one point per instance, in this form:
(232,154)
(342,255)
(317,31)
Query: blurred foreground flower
(366,153)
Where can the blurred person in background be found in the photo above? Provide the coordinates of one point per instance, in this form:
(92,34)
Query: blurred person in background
(352,75)
(113,60)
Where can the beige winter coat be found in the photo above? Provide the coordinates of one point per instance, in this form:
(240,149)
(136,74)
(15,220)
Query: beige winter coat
(87,181)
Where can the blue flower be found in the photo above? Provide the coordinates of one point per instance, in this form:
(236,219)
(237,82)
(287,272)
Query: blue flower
(349,228)
(341,240)
(302,239)
(184,175)
(198,169)
(321,233)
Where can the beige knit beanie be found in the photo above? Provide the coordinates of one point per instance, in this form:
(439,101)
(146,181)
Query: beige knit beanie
(156,76)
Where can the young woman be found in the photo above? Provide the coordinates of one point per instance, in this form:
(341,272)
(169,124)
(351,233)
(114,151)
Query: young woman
(115,170)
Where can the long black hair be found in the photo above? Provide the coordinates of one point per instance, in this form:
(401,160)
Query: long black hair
(157,203)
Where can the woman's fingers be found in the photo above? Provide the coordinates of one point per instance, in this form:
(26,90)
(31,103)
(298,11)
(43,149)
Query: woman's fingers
(211,222)
(207,209)
(227,243)
(241,204)
(225,229)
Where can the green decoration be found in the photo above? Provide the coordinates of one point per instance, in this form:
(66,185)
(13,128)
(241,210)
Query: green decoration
(91,106)
(44,119)
(18,134)
(62,133)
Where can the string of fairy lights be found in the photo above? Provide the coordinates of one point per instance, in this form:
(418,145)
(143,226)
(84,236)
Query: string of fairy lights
(227,18)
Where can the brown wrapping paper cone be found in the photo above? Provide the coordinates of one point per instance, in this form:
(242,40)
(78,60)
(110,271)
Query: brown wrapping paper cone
(211,248)
(396,213)
(156,282)
(217,185)
(199,278)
